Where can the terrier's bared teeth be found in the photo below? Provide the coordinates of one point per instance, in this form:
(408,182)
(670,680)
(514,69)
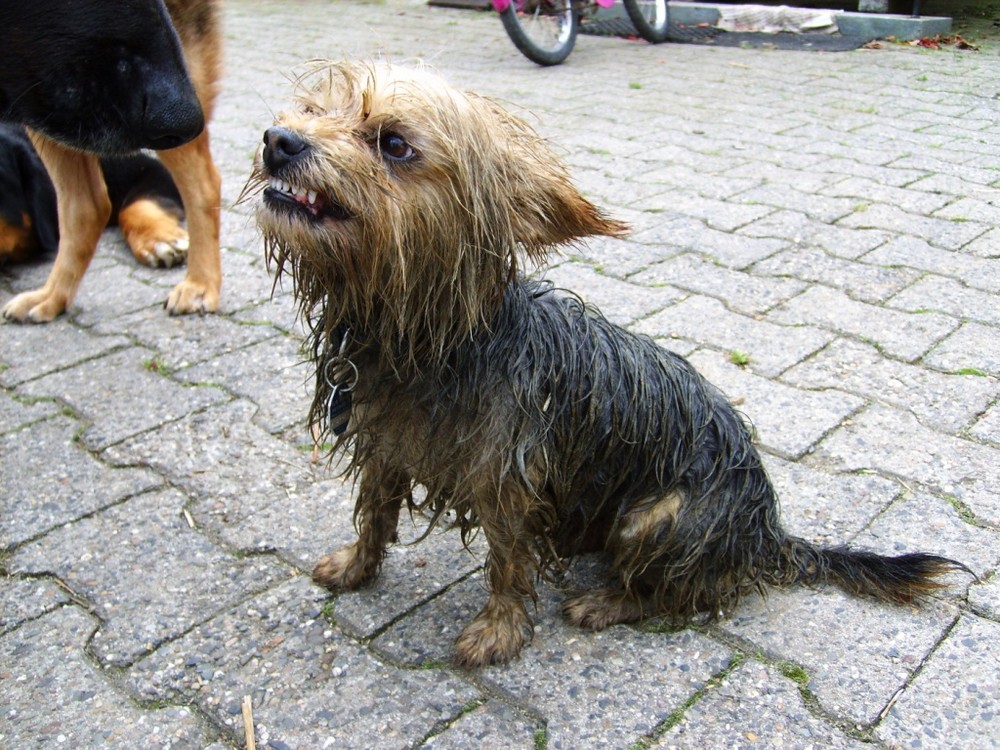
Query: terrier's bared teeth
(298,192)
(311,196)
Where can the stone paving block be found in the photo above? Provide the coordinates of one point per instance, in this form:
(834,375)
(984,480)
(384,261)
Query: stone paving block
(987,426)
(742,292)
(246,280)
(311,686)
(861,281)
(827,508)
(943,233)
(984,596)
(971,209)
(108,293)
(952,186)
(904,335)
(120,395)
(818,207)
(28,352)
(272,374)
(729,249)
(183,340)
(977,172)
(23,278)
(908,199)
(950,297)
(972,346)
(619,258)
(924,523)
(16,413)
(48,479)
(680,177)
(622,302)
(724,216)
(802,233)
(773,348)
(159,579)
(856,652)
(848,166)
(961,675)
(987,245)
(805,178)
(673,153)
(51,695)
(788,421)
(937,399)
(820,138)
(891,441)
(230,466)
(279,311)
(306,523)
(912,252)
(23,599)
(755,706)
(492,725)
(604,689)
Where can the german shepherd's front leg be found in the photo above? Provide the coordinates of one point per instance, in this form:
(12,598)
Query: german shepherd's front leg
(199,184)
(84,209)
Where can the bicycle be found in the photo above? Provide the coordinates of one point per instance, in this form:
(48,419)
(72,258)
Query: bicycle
(545,30)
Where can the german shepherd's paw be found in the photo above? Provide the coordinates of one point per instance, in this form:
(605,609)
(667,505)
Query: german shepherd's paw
(154,234)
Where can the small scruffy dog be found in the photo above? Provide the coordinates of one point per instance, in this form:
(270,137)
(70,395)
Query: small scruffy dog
(403,210)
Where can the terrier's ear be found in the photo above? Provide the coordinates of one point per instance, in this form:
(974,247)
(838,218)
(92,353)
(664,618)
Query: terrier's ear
(544,207)
(551,211)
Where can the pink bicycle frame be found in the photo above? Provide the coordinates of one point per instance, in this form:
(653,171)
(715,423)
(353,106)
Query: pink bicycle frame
(501,5)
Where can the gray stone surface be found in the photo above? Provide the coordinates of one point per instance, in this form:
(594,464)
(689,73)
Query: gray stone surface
(148,574)
(960,677)
(48,479)
(755,706)
(832,216)
(51,695)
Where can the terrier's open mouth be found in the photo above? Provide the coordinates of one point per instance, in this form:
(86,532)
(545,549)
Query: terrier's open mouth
(291,198)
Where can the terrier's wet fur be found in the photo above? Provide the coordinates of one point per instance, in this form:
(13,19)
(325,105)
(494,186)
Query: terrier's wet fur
(404,210)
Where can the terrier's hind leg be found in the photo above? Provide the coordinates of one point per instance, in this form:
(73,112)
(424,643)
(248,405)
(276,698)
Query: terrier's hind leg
(596,610)
(636,551)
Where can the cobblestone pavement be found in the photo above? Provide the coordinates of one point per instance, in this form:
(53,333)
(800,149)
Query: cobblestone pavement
(833,218)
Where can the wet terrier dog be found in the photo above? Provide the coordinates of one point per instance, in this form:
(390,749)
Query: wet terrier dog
(404,210)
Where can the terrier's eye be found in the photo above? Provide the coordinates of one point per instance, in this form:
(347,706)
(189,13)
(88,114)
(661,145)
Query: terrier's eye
(395,148)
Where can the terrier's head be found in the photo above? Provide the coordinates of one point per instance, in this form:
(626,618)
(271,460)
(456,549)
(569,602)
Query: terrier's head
(403,206)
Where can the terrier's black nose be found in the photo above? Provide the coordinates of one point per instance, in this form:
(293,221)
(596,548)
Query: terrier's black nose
(282,147)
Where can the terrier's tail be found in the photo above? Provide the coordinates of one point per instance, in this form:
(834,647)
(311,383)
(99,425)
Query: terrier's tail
(900,579)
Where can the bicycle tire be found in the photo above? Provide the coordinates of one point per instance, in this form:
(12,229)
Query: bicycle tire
(650,18)
(544,31)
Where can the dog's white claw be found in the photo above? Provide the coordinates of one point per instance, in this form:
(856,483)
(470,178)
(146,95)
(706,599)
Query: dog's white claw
(171,253)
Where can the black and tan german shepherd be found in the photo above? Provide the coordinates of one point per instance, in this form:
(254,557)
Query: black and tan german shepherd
(109,77)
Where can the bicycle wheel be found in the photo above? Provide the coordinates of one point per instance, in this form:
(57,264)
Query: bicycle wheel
(543,30)
(651,18)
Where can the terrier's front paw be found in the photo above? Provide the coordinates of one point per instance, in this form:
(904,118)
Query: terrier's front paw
(492,638)
(343,569)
